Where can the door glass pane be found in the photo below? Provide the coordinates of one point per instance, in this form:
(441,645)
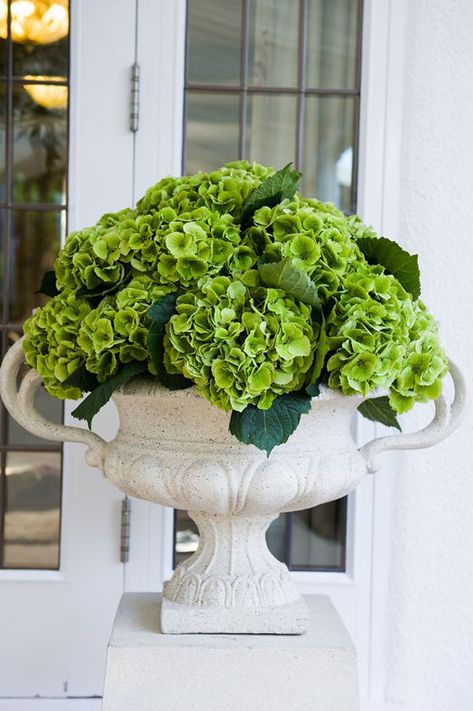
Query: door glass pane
(50,407)
(40,143)
(33,169)
(328,149)
(32,509)
(212,130)
(3,113)
(272,43)
(332,39)
(40,38)
(313,539)
(213,50)
(271,132)
(187,537)
(3,36)
(34,244)
(317,537)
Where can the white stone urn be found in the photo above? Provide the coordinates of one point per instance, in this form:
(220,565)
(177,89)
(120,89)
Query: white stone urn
(174,448)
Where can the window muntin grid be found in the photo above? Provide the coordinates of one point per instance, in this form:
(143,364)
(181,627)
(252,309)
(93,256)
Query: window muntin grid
(221,25)
(320,87)
(34,116)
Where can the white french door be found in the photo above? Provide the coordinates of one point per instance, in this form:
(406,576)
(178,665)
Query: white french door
(55,624)
(358,591)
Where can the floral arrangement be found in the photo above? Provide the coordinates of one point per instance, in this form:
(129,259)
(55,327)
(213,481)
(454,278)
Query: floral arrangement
(234,283)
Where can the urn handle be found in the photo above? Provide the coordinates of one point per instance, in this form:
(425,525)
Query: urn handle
(445,420)
(20,405)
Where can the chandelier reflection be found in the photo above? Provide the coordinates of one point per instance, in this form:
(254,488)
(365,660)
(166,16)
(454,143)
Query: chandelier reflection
(49,96)
(38,21)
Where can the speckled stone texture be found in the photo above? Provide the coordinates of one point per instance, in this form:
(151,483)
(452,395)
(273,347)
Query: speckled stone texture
(174,448)
(147,670)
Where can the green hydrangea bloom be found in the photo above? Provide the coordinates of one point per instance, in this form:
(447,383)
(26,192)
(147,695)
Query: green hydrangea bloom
(368,330)
(239,342)
(240,346)
(116,331)
(182,230)
(51,345)
(424,366)
(314,235)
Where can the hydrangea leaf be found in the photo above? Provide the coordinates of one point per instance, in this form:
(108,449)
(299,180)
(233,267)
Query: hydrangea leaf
(103,392)
(267,429)
(48,284)
(312,389)
(159,314)
(101,290)
(323,348)
(82,379)
(378,409)
(395,260)
(294,281)
(278,187)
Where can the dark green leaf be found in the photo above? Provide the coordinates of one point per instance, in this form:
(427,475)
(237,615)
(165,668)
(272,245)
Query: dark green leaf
(278,187)
(395,260)
(100,291)
(378,409)
(82,379)
(160,313)
(312,389)
(48,284)
(320,355)
(103,392)
(294,281)
(268,428)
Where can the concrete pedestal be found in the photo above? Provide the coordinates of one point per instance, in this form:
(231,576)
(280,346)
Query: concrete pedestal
(150,671)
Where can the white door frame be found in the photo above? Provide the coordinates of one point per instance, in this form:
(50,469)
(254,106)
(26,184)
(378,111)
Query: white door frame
(360,592)
(54,625)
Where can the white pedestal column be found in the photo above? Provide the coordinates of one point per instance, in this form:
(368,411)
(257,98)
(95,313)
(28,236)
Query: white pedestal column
(151,671)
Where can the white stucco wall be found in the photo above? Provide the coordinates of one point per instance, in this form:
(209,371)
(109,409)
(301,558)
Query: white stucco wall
(430,607)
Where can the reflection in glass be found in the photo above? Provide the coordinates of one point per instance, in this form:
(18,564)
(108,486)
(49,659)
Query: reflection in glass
(211,130)
(40,36)
(3,52)
(32,510)
(307,540)
(3,111)
(34,244)
(186,536)
(49,96)
(49,407)
(2,232)
(332,27)
(272,44)
(39,150)
(271,133)
(328,149)
(213,50)
(318,536)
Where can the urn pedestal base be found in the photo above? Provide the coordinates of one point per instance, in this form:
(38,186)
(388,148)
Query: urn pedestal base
(291,618)
(148,670)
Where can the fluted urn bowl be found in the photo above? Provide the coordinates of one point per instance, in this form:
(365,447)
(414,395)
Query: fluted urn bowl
(174,448)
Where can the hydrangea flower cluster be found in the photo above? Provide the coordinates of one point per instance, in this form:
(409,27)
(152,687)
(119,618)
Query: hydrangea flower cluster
(240,346)
(241,341)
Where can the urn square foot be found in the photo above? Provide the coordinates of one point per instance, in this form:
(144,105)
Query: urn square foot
(291,618)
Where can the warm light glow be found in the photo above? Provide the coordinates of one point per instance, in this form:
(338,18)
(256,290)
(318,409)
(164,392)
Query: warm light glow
(47,95)
(41,21)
